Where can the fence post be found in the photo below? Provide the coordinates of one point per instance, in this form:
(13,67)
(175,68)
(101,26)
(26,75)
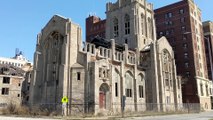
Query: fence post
(123,105)
(188,107)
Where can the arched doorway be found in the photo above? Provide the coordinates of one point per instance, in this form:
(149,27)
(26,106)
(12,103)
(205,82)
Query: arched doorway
(104,97)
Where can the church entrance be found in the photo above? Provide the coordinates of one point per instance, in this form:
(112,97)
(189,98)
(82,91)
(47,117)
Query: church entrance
(104,97)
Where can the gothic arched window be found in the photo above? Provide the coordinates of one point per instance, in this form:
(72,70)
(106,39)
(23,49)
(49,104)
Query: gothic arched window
(128,84)
(142,24)
(127,24)
(150,28)
(141,85)
(115,27)
(167,68)
(117,80)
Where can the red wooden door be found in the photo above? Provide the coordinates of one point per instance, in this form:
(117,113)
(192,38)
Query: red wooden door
(102,100)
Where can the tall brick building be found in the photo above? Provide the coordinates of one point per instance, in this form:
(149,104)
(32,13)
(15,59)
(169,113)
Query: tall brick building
(208,34)
(94,26)
(181,24)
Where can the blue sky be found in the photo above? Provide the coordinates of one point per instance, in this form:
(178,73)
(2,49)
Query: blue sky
(22,20)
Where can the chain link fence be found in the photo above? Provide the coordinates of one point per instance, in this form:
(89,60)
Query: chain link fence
(117,109)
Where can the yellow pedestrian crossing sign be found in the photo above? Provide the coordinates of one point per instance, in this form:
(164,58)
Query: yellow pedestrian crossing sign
(64,99)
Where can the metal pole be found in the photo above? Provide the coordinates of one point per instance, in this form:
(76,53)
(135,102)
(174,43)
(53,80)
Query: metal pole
(121,82)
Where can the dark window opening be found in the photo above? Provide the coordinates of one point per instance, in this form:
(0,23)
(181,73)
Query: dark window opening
(27,99)
(56,82)
(141,91)
(182,20)
(127,25)
(188,74)
(6,80)
(93,50)
(128,92)
(201,89)
(207,92)
(5,91)
(126,41)
(181,11)
(116,89)
(78,76)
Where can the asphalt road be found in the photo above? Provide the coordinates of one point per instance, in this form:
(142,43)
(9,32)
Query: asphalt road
(201,116)
(21,118)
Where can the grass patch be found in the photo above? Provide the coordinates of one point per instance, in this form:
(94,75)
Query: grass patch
(17,110)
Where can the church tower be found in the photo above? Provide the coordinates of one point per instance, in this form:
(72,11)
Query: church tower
(130,22)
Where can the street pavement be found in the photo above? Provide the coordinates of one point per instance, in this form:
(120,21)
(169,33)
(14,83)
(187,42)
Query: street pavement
(201,116)
(22,118)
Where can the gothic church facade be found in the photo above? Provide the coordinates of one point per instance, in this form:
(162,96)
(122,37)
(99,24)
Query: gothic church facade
(129,65)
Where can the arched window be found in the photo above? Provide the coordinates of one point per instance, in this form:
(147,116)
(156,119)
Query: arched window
(141,86)
(105,53)
(207,90)
(88,48)
(115,28)
(93,49)
(141,78)
(127,24)
(201,89)
(150,28)
(101,52)
(167,71)
(142,24)
(117,80)
(128,84)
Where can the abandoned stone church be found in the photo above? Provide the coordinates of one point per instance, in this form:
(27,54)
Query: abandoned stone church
(128,66)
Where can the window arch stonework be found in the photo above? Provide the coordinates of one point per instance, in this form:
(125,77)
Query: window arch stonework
(167,68)
(117,82)
(129,84)
(127,24)
(150,28)
(115,27)
(142,24)
(141,86)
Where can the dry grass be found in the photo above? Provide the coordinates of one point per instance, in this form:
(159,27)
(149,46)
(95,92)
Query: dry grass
(13,109)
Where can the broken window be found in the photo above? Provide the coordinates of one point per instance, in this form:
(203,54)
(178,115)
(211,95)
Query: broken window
(5,91)
(141,91)
(127,24)
(6,80)
(116,33)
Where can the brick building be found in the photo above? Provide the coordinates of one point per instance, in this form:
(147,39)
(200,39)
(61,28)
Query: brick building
(11,79)
(94,26)
(208,38)
(181,24)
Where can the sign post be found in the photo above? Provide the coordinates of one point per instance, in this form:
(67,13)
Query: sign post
(64,102)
